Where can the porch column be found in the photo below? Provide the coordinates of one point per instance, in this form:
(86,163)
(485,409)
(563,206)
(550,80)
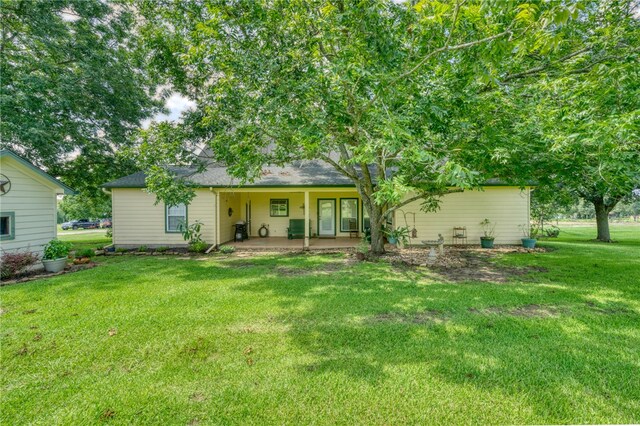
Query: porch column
(217,218)
(306,220)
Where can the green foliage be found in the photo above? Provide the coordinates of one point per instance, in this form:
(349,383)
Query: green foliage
(142,249)
(198,246)
(284,332)
(192,233)
(363,246)
(85,252)
(75,87)
(109,233)
(83,205)
(488,228)
(121,250)
(56,249)
(386,92)
(226,249)
(162,249)
(401,234)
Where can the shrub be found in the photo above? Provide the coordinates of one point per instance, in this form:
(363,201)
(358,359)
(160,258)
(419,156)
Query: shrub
(121,250)
(11,264)
(109,233)
(142,249)
(227,249)
(198,247)
(191,233)
(86,252)
(162,249)
(56,249)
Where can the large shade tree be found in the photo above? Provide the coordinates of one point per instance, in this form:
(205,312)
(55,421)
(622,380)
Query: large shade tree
(385,92)
(575,127)
(74,87)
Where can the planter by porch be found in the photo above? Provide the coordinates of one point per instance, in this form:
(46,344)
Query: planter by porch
(392,240)
(529,242)
(54,265)
(486,242)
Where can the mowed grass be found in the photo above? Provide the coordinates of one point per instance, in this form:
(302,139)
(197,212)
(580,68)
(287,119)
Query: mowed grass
(93,238)
(309,339)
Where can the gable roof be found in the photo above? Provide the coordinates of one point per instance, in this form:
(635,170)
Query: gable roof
(299,173)
(10,154)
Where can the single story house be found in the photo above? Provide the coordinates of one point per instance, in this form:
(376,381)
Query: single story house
(28,204)
(312,191)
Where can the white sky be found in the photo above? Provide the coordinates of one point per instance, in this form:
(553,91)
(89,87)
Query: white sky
(176,104)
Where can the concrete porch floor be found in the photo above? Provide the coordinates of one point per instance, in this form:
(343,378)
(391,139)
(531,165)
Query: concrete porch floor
(284,243)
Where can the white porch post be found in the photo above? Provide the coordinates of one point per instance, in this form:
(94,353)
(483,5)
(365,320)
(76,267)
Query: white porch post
(306,220)
(218,218)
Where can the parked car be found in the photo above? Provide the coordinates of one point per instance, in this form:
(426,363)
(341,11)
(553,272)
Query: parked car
(80,224)
(105,223)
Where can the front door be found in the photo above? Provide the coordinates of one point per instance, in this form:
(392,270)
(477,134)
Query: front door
(326,217)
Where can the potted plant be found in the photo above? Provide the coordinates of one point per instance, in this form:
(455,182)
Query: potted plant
(83,256)
(488,228)
(398,235)
(529,234)
(55,255)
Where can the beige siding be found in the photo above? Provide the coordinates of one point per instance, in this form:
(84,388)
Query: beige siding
(138,221)
(507,207)
(33,201)
(229,201)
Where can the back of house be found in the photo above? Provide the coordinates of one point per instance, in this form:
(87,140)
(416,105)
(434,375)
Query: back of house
(309,191)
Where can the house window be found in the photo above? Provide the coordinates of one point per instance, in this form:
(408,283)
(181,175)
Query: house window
(348,214)
(7,226)
(279,207)
(176,217)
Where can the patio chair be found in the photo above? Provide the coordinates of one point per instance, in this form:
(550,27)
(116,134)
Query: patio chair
(295,229)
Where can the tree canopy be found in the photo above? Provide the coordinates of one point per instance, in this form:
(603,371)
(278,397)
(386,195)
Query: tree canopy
(385,92)
(75,87)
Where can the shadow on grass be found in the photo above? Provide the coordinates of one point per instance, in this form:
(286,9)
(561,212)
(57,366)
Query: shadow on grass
(366,320)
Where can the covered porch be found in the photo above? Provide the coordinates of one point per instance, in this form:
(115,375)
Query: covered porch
(314,217)
(257,243)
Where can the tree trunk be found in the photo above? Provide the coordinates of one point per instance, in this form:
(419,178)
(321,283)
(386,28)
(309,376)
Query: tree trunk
(602,220)
(375,218)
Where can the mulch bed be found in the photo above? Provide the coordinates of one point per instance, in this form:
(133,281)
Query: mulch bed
(463,263)
(36,275)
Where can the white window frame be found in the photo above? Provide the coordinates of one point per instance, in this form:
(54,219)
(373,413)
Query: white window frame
(169,214)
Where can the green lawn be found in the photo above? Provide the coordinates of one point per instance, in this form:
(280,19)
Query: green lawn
(308,339)
(86,239)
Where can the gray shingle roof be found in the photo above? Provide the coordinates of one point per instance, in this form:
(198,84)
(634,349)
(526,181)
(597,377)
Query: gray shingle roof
(303,173)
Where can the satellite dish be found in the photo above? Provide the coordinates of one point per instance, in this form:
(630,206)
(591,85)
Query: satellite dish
(5,184)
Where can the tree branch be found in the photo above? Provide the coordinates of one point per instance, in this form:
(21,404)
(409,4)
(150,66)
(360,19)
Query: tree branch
(541,68)
(418,197)
(444,48)
(339,168)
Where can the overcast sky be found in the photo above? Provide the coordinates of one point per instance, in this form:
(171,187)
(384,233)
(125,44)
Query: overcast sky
(176,104)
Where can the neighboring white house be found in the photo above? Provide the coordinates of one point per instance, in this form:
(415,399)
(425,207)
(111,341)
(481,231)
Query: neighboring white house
(311,191)
(28,203)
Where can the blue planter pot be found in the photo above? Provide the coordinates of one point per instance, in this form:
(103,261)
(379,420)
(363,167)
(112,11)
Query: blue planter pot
(486,242)
(529,243)
(392,240)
